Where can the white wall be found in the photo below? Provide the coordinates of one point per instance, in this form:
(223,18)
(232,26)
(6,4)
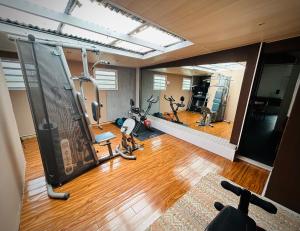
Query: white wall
(22,112)
(12,163)
(174,88)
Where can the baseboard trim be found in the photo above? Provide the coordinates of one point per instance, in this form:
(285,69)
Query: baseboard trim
(28,137)
(214,144)
(254,162)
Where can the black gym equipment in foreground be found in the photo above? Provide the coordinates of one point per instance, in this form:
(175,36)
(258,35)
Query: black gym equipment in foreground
(62,125)
(172,102)
(237,219)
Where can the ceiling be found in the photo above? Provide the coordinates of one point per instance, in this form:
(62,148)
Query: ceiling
(218,25)
(181,71)
(210,25)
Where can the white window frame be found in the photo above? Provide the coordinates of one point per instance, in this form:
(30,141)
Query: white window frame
(107,70)
(160,89)
(182,87)
(13,74)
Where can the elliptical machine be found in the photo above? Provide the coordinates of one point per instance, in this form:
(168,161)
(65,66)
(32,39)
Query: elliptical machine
(142,115)
(237,219)
(174,110)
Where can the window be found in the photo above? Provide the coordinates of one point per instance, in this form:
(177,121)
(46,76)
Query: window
(96,13)
(30,19)
(145,38)
(13,74)
(159,82)
(106,79)
(186,84)
(72,30)
(131,46)
(154,35)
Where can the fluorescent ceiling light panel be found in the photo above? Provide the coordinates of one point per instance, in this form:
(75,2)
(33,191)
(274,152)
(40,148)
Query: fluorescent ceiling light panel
(199,68)
(22,17)
(223,66)
(71,30)
(156,36)
(131,46)
(96,13)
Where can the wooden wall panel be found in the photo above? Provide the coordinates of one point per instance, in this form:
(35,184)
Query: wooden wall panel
(283,186)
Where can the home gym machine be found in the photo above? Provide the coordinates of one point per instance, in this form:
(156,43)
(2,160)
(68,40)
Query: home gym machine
(198,95)
(174,110)
(213,109)
(63,129)
(141,114)
(237,219)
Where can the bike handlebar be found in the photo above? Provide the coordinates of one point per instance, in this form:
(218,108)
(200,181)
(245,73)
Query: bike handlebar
(170,99)
(151,99)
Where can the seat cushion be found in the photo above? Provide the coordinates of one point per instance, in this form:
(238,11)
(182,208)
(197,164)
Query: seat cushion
(104,137)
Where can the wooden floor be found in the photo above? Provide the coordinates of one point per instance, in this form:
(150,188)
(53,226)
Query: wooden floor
(125,194)
(220,129)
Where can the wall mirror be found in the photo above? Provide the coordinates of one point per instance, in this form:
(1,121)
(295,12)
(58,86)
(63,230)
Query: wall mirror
(202,97)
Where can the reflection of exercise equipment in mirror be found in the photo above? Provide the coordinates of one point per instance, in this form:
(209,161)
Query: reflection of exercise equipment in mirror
(213,108)
(64,131)
(140,116)
(206,117)
(174,110)
(198,96)
(237,219)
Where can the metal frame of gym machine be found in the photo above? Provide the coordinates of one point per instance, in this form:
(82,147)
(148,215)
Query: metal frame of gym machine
(102,139)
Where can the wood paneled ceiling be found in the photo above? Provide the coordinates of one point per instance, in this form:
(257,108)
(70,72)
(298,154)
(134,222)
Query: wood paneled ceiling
(218,25)
(181,71)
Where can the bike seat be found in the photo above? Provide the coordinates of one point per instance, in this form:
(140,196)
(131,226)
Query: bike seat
(230,218)
(104,137)
(135,110)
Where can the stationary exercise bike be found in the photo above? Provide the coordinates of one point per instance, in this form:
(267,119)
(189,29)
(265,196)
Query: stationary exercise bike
(174,110)
(128,144)
(237,219)
(141,114)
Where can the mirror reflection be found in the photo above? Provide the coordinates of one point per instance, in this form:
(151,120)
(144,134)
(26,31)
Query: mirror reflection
(202,97)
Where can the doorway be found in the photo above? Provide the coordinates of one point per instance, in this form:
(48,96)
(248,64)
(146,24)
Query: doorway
(268,107)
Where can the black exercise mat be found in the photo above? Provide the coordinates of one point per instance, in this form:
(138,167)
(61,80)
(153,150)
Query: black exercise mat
(145,134)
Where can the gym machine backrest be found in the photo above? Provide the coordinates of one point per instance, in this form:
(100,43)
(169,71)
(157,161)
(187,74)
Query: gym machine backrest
(96,104)
(237,219)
